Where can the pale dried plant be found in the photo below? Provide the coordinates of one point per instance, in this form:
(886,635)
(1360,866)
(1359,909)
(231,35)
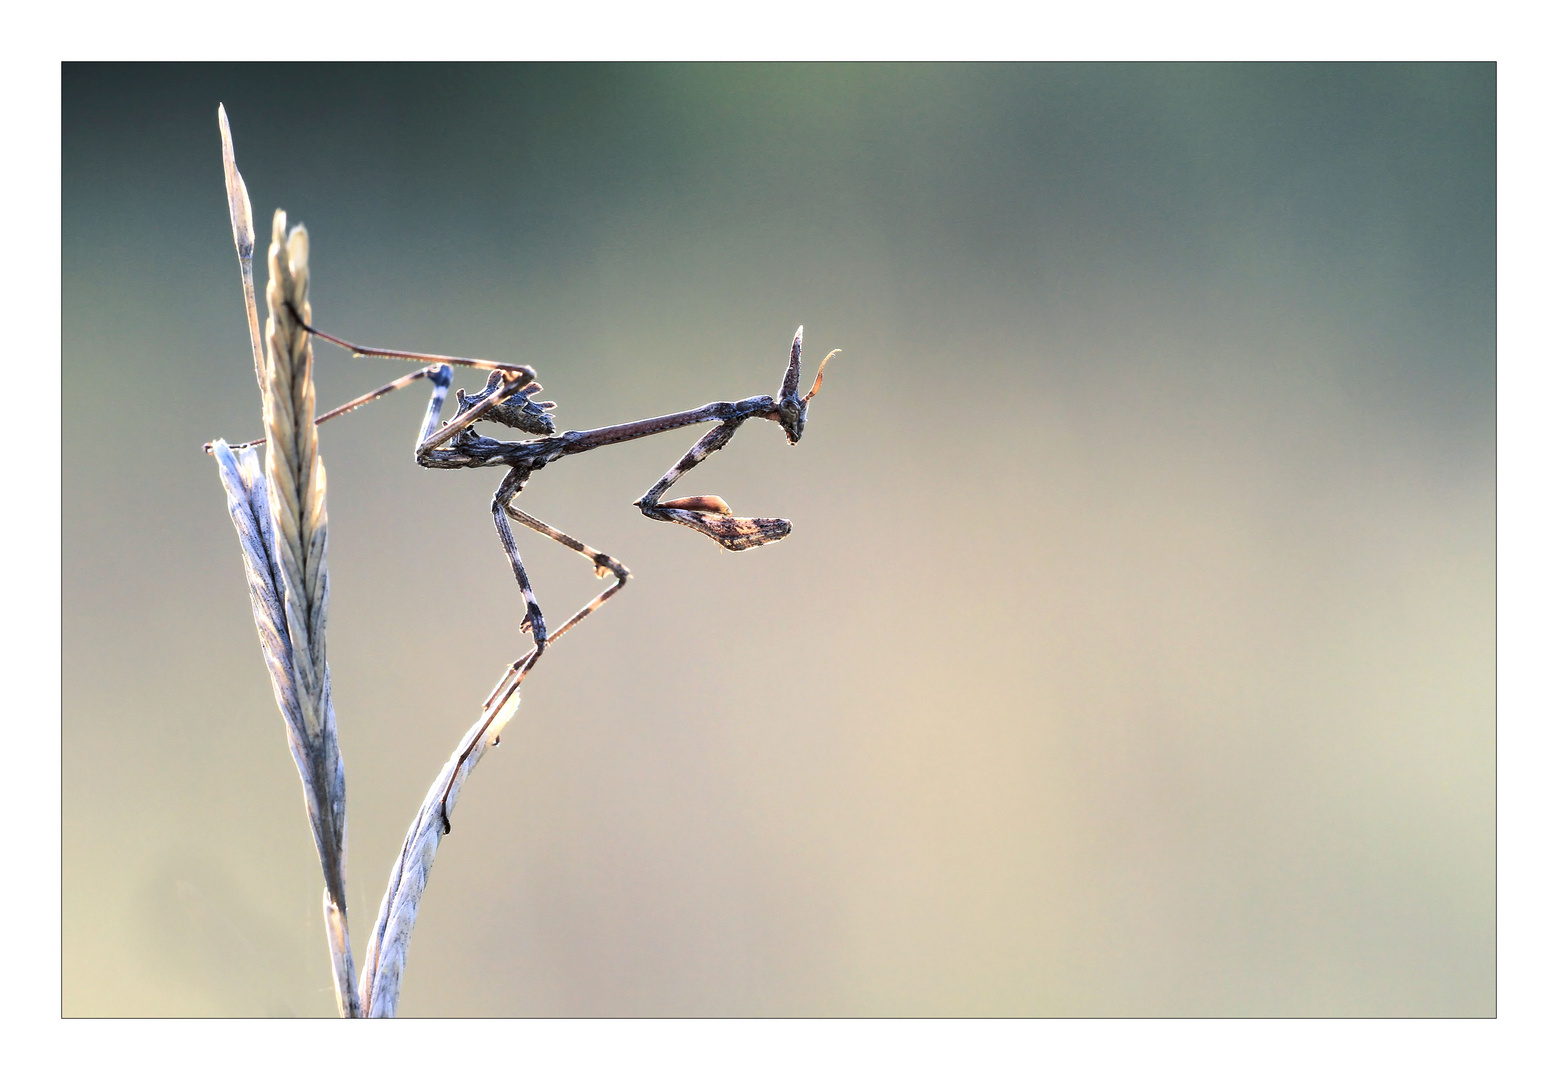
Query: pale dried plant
(385,961)
(280,518)
(284,521)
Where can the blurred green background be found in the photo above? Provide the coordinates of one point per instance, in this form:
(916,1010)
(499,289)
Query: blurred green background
(1133,651)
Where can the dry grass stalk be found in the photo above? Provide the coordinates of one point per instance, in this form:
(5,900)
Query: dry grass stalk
(280,519)
(295,482)
(249,507)
(385,961)
(281,528)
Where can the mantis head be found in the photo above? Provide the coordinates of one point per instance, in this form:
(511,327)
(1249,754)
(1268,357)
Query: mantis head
(791,406)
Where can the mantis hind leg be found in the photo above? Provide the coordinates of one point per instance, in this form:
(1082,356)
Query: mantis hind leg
(535,623)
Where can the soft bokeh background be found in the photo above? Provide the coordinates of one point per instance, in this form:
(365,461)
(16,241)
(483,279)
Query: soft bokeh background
(1133,652)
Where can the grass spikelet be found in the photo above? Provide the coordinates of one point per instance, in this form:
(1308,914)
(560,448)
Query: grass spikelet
(281,524)
(295,486)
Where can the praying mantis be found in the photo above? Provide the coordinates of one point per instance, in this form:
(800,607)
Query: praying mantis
(508,399)
(282,528)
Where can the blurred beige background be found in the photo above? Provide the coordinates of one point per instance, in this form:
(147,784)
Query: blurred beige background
(1133,650)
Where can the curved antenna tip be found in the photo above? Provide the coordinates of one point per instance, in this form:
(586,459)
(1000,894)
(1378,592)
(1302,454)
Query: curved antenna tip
(817,383)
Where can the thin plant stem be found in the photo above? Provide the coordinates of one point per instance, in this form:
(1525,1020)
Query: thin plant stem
(282,531)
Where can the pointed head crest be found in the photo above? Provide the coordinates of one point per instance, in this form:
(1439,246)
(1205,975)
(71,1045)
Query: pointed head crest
(792,374)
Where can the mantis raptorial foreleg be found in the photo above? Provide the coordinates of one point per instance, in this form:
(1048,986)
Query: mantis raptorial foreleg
(709,514)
